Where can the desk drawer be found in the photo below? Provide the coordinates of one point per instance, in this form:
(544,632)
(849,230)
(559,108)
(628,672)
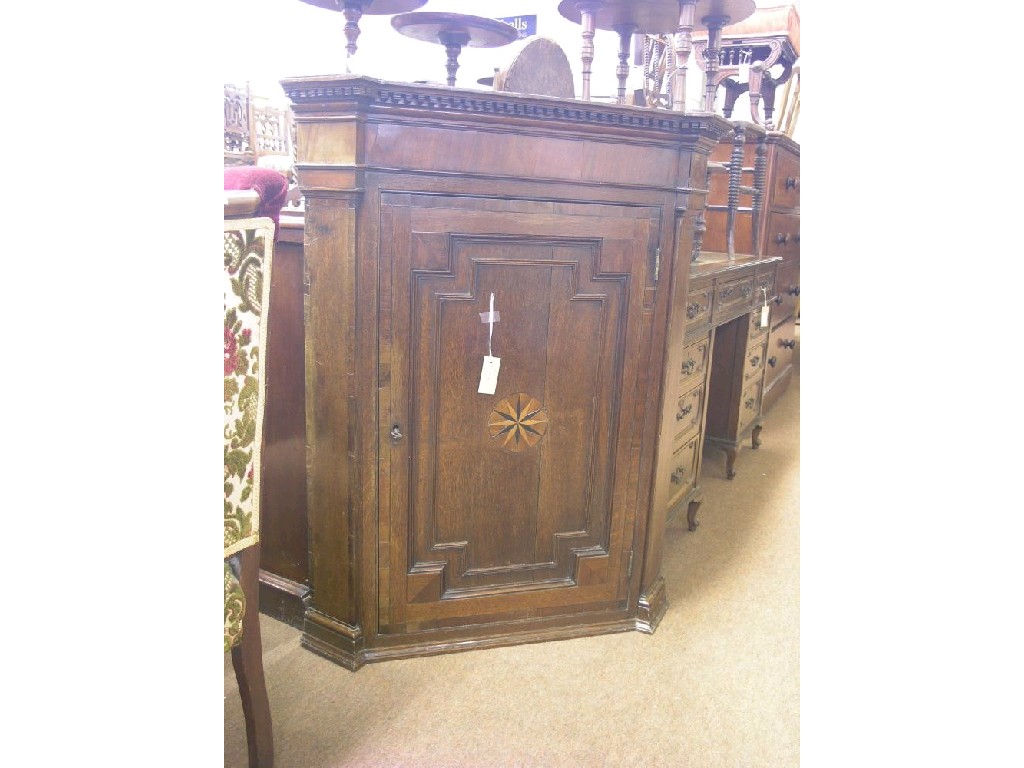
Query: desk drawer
(689,408)
(698,307)
(695,365)
(682,469)
(733,294)
(764,288)
(750,404)
(755,362)
(756,331)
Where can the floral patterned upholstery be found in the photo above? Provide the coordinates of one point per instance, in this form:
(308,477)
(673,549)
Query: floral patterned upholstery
(248,246)
(234,608)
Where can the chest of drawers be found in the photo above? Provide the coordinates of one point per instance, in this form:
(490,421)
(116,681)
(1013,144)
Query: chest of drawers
(768,226)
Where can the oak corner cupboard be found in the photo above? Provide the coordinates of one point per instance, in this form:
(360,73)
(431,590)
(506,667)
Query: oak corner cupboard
(444,226)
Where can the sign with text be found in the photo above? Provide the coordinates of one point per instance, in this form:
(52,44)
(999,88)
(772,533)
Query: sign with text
(527,25)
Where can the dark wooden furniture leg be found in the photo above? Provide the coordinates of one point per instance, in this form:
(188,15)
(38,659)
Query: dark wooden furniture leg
(247,659)
(755,437)
(691,512)
(730,461)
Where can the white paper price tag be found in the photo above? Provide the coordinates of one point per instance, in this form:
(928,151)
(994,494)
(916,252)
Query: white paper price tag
(765,311)
(489,375)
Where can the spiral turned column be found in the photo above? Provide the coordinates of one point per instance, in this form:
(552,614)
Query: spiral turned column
(735,175)
(760,179)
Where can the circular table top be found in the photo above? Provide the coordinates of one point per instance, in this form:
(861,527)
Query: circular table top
(370,7)
(477,31)
(537,65)
(654,16)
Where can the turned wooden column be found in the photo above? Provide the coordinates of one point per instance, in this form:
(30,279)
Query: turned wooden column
(587,9)
(453,41)
(353,12)
(714,26)
(625,32)
(683,46)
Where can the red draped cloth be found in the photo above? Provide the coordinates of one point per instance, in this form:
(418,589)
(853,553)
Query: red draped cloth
(270,185)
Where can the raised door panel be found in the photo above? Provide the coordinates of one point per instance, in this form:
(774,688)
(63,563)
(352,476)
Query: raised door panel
(521,503)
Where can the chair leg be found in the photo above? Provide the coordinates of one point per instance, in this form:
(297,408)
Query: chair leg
(247,659)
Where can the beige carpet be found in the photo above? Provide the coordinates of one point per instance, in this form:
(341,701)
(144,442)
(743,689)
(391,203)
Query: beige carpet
(717,685)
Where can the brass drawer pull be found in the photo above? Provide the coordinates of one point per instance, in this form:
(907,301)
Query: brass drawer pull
(782,239)
(755,360)
(689,367)
(794,290)
(772,361)
(750,403)
(396,433)
(777,299)
(683,412)
(787,343)
(792,183)
(692,310)
(678,474)
(745,291)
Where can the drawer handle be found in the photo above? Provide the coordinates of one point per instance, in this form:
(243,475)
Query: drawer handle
(692,310)
(782,239)
(772,361)
(745,291)
(792,183)
(796,238)
(787,343)
(777,299)
(794,290)
(683,412)
(750,403)
(396,433)
(755,360)
(677,475)
(689,367)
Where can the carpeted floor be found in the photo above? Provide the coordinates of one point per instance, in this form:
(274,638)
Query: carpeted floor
(718,684)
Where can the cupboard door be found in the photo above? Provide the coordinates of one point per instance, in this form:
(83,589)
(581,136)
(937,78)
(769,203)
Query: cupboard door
(518,504)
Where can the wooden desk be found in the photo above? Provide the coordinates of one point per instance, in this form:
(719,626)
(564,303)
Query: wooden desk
(715,375)
(441,518)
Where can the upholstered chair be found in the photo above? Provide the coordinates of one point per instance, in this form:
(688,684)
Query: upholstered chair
(248,252)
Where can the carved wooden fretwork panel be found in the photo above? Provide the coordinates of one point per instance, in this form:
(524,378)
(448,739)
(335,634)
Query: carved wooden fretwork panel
(253,126)
(236,119)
